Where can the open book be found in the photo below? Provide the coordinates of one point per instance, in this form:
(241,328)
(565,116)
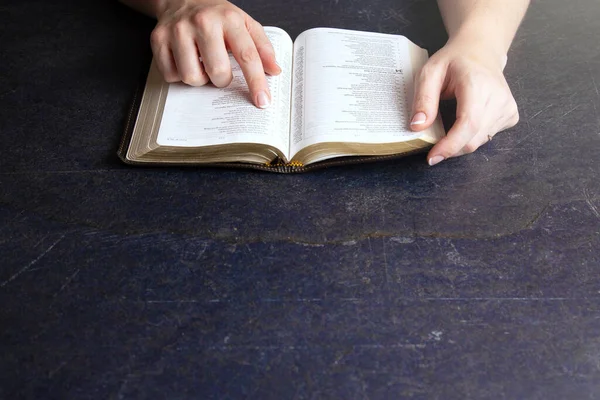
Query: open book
(341,93)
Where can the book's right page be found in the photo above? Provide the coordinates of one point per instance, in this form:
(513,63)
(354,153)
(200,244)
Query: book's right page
(354,87)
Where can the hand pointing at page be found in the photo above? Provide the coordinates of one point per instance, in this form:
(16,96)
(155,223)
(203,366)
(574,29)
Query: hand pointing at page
(192,38)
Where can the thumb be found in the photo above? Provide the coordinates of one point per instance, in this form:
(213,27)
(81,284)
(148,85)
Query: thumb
(428,87)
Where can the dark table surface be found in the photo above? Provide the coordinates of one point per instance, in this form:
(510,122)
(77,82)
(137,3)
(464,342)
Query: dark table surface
(479,278)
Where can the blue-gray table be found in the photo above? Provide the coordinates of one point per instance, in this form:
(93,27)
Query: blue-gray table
(478,278)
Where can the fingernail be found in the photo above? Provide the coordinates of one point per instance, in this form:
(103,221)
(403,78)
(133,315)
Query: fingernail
(278,66)
(435,160)
(263,100)
(419,119)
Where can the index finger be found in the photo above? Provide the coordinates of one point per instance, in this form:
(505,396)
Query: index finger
(264,47)
(244,50)
(469,114)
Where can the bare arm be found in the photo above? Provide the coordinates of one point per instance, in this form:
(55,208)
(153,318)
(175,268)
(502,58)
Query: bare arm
(470,68)
(491,23)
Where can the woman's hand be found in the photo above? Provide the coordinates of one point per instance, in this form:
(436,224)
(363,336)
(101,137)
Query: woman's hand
(191,42)
(471,73)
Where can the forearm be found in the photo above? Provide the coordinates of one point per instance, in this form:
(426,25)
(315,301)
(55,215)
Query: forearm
(490,22)
(151,8)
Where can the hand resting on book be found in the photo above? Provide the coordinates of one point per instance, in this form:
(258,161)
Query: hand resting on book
(485,104)
(470,68)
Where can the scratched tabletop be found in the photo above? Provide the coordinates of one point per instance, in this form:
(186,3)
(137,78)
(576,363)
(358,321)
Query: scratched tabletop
(476,279)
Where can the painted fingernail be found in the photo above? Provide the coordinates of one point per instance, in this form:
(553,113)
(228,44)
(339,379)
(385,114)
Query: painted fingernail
(435,160)
(419,119)
(263,100)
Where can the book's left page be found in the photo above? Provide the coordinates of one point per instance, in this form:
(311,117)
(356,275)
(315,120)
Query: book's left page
(207,120)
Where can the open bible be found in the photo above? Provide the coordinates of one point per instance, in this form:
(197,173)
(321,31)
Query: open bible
(341,93)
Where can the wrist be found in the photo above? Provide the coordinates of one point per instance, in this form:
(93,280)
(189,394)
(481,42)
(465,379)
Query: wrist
(161,6)
(480,46)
